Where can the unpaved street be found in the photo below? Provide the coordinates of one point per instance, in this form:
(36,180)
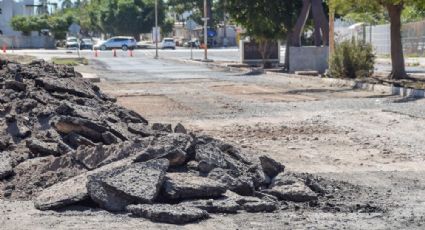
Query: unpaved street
(367,139)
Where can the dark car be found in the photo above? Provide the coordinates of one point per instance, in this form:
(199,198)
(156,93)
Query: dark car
(86,43)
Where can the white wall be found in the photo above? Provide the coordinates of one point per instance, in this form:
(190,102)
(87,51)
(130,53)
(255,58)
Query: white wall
(11,8)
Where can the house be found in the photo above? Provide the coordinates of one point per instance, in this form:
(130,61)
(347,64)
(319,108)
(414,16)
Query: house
(14,39)
(11,8)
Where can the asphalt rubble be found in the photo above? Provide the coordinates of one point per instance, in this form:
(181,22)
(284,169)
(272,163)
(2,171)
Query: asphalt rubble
(64,143)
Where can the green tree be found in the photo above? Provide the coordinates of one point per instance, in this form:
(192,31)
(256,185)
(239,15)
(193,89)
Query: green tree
(28,24)
(265,20)
(394,8)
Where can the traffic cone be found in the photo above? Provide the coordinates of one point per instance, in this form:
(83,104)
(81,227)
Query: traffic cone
(115,53)
(131,53)
(4,48)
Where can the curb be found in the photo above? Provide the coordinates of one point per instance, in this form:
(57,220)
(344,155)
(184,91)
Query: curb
(355,84)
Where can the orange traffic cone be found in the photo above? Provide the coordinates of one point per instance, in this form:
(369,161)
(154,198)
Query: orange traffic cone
(131,53)
(115,53)
(4,48)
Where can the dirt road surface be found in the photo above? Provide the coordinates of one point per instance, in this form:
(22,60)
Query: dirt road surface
(367,139)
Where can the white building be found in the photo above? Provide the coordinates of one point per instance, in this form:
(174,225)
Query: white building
(11,8)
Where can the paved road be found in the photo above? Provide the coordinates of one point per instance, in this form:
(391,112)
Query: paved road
(350,135)
(218,55)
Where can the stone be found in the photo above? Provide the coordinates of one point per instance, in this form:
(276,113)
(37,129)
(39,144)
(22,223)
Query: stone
(63,194)
(174,147)
(209,157)
(43,148)
(180,129)
(4,142)
(284,179)
(270,166)
(140,129)
(166,213)
(167,128)
(180,186)
(141,181)
(242,185)
(89,129)
(297,192)
(104,196)
(75,140)
(251,204)
(94,157)
(73,190)
(67,85)
(260,206)
(5,165)
(176,156)
(215,206)
(109,138)
(15,85)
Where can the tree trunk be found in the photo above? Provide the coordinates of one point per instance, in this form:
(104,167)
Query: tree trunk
(299,25)
(288,46)
(320,20)
(397,57)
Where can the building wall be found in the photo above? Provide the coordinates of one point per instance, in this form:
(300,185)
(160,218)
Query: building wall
(11,8)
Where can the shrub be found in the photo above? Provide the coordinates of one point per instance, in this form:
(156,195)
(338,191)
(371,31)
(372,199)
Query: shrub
(352,59)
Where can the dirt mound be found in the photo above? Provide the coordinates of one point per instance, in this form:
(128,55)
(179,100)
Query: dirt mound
(64,142)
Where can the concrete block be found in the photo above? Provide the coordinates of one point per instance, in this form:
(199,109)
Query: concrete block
(308,58)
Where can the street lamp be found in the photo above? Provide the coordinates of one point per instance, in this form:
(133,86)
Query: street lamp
(156,29)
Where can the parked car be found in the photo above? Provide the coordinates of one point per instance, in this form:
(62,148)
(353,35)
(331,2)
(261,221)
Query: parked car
(123,43)
(168,43)
(193,43)
(71,43)
(144,45)
(86,43)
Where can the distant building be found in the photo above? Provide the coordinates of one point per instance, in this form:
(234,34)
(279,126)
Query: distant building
(11,8)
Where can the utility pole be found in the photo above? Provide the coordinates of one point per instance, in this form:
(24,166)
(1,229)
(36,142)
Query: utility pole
(331,28)
(156,31)
(205,30)
(225,25)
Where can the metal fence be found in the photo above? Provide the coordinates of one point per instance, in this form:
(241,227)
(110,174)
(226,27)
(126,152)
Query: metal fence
(413,36)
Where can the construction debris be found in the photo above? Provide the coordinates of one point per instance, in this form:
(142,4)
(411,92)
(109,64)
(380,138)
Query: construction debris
(63,142)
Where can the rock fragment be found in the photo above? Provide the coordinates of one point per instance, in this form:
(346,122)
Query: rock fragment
(180,129)
(297,192)
(141,181)
(166,213)
(5,165)
(167,128)
(180,186)
(71,191)
(270,166)
(215,206)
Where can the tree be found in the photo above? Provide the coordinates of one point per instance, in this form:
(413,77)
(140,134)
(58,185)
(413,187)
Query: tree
(28,24)
(67,4)
(265,19)
(394,9)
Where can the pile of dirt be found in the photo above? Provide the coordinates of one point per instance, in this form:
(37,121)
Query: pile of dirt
(63,142)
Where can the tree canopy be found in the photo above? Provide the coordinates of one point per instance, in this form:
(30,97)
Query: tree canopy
(394,9)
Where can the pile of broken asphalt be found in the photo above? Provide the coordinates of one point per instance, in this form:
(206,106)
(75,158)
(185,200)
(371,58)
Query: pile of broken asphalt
(63,142)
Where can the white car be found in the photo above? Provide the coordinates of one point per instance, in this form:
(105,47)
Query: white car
(123,43)
(72,43)
(168,43)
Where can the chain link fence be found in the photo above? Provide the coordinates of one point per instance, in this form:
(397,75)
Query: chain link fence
(413,36)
